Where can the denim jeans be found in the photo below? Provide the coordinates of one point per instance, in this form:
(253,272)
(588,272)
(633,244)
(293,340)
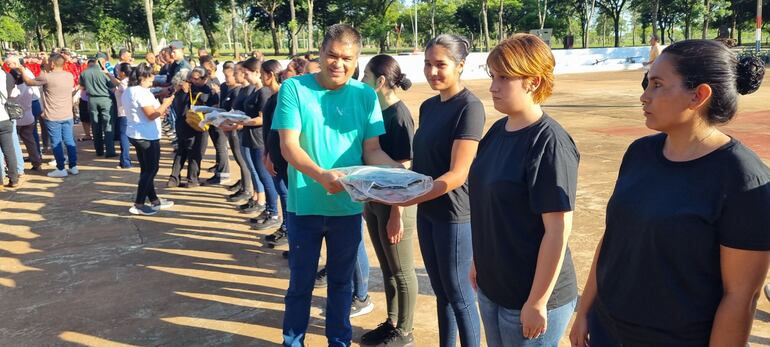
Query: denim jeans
(17,149)
(448,253)
(37,110)
(361,271)
(503,326)
(283,192)
(61,135)
(306,233)
(261,177)
(125,145)
(6,146)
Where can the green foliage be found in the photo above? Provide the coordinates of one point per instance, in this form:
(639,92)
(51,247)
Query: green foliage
(11,30)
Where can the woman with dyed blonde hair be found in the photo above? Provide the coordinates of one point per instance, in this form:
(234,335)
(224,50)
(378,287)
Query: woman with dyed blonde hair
(522,193)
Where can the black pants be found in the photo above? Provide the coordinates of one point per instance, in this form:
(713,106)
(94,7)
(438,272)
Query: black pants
(191,146)
(235,145)
(6,144)
(148,153)
(220,145)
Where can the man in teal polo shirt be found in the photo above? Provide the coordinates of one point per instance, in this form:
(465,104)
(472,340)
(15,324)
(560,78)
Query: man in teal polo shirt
(326,120)
(101,106)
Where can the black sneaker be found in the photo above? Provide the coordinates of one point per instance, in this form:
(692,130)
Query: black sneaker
(193,184)
(212,169)
(396,339)
(285,254)
(235,187)
(278,238)
(274,236)
(266,220)
(216,180)
(172,183)
(361,307)
(251,206)
(378,334)
(320,279)
(239,196)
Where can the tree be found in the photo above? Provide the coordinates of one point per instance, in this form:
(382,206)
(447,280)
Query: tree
(614,9)
(57,18)
(293,29)
(309,25)
(485,23)
(148,9)
(500,30)
(206,11)
(11,31)
(585,9)
(542,11)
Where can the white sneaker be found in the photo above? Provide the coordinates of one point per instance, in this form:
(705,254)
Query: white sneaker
(58,173)
(74,170)
(53,162)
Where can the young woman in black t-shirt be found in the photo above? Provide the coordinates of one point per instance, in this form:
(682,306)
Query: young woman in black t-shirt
(451,125)
(522,193)
(687,242)
(392,238)
(273,160)
(245,190)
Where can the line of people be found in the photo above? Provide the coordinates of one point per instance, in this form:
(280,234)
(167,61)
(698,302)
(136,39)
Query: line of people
(689,212)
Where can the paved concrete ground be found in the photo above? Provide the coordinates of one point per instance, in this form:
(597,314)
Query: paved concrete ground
(77,269)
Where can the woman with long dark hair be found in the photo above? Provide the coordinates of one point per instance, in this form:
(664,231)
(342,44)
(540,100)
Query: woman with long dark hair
(143,127)
(687,242)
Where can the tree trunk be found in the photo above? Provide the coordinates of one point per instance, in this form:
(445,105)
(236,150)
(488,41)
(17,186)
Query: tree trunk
(644,34)
(148,7)
(706,20)
(541,13)
(734,21)
(485,25)
(655,9)
(616,27)
(274,32)
(500,31)
(293,29)
(57,19)
(40,38)
(586,25)
(209,31)
(233,30)
(583,33)
(433,18)
(310,40)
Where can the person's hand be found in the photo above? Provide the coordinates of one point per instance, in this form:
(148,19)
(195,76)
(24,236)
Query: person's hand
(533,320)
(215,88)
(269,165)
(167,101)
(330,181)
(472,276)
(395,230)
(578,336)
(227,126)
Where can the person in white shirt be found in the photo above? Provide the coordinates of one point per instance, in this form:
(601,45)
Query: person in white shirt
(25,95)
(6,134)
(123,70)
(143,128)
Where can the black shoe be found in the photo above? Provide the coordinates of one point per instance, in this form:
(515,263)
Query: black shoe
(192,184)
(235,187)
(172,183)
(278,238)
(396,339)
(361,307)
(378,334)
(767,291)
(216,180)
(239,196)
(285,254)
(251,206)
(212,169)
(265,221)
(274,236)
(320,279)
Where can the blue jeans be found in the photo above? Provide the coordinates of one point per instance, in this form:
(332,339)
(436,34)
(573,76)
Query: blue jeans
(448,254)
(503,326)
(280,187)
(17,149)
(61,135)
(261,178)
(361,271)
(125,145)
(258,187)
(306,233)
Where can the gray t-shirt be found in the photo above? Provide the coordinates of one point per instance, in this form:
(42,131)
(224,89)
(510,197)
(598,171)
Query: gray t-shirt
(57,94)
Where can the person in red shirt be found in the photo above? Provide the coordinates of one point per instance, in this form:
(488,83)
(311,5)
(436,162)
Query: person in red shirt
(70,66)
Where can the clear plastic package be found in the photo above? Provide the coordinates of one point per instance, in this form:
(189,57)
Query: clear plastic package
(389,185)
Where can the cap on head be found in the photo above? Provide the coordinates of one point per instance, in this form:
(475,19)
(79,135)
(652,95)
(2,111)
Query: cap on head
(176,44)
(101,55)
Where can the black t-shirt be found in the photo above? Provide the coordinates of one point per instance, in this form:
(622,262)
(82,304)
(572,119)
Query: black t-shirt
(239,99)
(516,177)
(658,275)
(399,132)
(252,135)
(272,138)
(228,96)
(175,67)
(441,123)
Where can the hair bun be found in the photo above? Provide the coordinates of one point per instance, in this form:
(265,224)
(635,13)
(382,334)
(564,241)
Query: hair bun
(751,71)
(404,82)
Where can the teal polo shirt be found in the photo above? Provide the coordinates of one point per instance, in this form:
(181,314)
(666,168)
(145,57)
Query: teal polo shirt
(333,126)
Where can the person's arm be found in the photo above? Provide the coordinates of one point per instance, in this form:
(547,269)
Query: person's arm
(153,113)
(463,153)
(254,122)
(578,336)
(550,258)
(743,273)
(112,79)
(300,160)
(32,82)
(374,155)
